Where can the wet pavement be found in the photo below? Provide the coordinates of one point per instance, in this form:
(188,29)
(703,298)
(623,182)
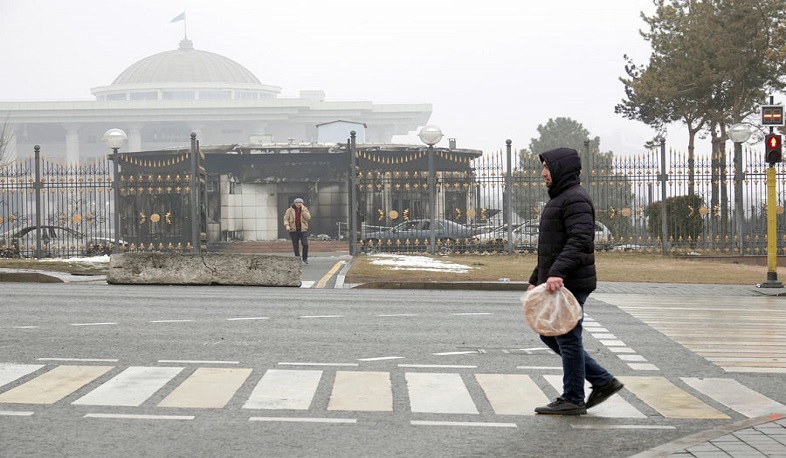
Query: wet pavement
(756,437)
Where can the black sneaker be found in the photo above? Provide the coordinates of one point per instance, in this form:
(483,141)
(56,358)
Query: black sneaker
(305,261)
(562,407)
(604,392)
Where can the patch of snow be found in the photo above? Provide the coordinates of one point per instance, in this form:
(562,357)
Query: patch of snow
(104,259)
(422,263)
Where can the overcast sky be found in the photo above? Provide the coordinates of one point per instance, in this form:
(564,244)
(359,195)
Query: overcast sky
(492,70)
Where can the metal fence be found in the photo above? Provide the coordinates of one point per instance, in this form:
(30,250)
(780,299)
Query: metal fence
(52,209)
(713,205)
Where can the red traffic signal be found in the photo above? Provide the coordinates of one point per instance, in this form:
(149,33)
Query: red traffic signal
(773,149)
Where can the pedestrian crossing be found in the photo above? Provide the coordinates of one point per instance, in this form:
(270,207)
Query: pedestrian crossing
(739,334)
(166,389)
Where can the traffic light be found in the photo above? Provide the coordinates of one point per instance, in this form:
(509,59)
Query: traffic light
(773,148)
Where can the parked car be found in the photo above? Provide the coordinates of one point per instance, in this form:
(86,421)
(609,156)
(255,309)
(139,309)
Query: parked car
(525,237)
(414,234)
(56,241)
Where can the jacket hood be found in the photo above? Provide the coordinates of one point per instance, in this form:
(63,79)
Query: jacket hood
(565,167)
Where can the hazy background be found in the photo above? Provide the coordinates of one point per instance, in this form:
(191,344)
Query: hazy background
(492,70)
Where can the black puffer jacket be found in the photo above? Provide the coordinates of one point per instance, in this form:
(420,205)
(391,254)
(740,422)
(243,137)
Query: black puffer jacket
(566,243)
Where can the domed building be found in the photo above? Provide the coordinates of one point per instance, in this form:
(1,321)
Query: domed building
(186,74)
(159,100)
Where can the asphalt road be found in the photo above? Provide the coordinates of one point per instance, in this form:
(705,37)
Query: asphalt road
(294,372)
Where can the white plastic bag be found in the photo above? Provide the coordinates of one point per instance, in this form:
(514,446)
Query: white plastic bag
(551,314)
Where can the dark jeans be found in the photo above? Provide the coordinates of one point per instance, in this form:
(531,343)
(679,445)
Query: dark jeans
(302,238)
(577,365)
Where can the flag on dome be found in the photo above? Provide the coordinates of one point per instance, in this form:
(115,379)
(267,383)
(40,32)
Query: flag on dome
(179,17)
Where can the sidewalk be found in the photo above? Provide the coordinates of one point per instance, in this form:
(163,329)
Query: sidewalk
(755,437)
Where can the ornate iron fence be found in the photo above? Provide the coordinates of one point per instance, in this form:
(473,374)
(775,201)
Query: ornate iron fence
(713,205)
(51,209)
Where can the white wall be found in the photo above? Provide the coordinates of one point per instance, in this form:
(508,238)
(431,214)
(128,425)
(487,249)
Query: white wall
(250,214)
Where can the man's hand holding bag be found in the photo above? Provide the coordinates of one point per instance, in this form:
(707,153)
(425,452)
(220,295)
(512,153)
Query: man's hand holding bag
(551,314)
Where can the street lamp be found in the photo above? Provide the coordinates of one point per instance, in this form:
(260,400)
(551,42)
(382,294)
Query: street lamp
(114,138)
(739,134)
(431,135)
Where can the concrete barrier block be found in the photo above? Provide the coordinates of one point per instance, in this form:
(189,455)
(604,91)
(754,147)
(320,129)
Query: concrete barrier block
(203,269)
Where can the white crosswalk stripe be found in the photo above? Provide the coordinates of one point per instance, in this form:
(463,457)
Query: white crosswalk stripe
(130,388)
(739,334)
(446,393)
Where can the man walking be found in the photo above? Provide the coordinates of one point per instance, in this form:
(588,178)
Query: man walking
(566,257)
(296,220)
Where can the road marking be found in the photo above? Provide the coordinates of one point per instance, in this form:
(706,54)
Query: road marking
(208,388)
(284,389)
(548,368)
(15,413)
(130,388)
(249,318)
(643,366)
(439,393)
(632,358)
(462,423)
(306,420)
(93,324)
(436,366)
(320,364)
(759,370)
(323,281)
(735,396)
(381,358)
(24,327)
(126,416)
(669,400)
(452,353)
(185,361)
(80,360)
(307,284)
(54,385)
(171,321)
(614,407)
(621,427)
(511,394)
(362,391)
(10,372)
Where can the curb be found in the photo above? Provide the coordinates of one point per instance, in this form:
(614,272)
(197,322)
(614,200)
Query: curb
(459,285)
(705,436)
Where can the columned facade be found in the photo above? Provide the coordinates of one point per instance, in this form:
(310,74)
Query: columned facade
(158,101)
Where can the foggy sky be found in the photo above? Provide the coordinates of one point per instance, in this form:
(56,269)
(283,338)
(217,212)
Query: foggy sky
(492,70)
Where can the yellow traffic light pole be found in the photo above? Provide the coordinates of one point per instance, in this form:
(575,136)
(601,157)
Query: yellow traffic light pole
(772,233)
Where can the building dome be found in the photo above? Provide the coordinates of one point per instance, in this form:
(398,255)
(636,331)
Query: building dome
(185,74)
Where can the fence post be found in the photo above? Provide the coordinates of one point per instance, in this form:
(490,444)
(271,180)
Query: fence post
(508,207)
(353,210)
(739,210)
(196,242)
(37,186)
(663,179)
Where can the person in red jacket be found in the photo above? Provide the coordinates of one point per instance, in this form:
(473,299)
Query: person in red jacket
(296,220)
